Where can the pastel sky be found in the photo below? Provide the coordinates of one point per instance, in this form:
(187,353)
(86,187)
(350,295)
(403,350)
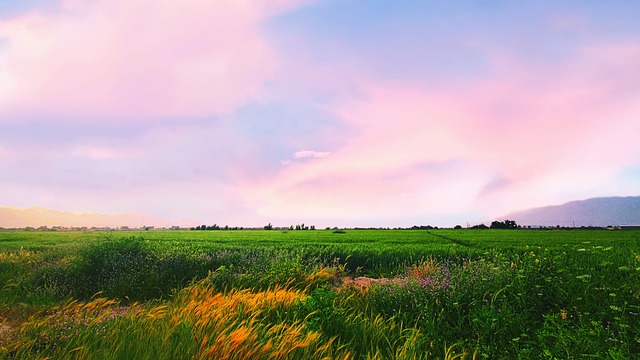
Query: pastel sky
(327,112)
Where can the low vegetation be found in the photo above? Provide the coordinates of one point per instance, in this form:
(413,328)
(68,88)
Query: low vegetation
(366,294)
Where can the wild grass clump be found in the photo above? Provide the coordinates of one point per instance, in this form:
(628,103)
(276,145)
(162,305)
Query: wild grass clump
(263,269)
(125,268)
(521,305)
(199,323)
(346,316)
(52,333)
(135,269)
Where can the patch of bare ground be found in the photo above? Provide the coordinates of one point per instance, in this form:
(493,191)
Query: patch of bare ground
(11,317)
(7,333)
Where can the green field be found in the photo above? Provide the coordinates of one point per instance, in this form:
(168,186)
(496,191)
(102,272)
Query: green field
(357,294)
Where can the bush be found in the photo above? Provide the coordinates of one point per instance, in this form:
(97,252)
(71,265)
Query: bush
(130,268)
(121,268)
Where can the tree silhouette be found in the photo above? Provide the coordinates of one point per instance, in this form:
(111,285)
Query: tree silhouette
(507,224)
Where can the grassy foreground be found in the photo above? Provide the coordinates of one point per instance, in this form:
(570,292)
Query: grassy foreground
(392,294)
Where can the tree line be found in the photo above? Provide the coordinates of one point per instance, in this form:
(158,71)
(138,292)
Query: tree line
(266,227)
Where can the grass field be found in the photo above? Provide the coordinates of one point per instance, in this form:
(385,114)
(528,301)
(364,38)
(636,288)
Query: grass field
(361,294)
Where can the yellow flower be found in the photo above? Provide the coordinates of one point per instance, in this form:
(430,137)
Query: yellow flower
(563,314)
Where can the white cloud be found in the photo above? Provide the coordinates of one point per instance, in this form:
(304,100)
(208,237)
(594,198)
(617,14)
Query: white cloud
(311,154)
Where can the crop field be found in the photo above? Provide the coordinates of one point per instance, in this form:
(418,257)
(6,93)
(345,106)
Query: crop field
(320,294)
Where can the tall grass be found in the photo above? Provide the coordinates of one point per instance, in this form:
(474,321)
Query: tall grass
(202,323)
(488,294)
(198,323)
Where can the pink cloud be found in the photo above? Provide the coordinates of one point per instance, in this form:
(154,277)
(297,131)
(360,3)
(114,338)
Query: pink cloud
(136,57)
(97,153)
(524,136)
(4,153)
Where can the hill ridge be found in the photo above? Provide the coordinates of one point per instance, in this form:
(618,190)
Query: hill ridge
(599,211)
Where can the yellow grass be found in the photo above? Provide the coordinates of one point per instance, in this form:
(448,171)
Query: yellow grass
(14,257)
(229,325)
(427,268)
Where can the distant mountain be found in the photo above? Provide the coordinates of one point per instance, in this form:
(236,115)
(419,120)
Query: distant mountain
(38,216)
(603,211)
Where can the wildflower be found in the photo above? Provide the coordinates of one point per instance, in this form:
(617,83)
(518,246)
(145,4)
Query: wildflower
(563,314)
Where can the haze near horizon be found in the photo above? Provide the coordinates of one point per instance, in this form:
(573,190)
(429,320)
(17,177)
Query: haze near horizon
(332,112)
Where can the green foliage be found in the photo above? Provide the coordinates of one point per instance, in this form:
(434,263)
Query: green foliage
(343,316)
(126,268)
(261,269)
(118,267)
(503,294)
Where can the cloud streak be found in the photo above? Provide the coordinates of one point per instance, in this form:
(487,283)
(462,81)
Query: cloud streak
(310,154)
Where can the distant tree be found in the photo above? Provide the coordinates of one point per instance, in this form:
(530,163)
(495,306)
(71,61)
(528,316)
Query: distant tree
(422,227)
(480,227)
(268,227)
(507,224)
(457,227)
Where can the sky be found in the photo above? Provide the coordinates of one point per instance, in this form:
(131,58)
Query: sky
(326,112)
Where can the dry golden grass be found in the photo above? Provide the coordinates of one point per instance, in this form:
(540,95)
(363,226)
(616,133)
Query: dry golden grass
(238,324)
(231,326)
